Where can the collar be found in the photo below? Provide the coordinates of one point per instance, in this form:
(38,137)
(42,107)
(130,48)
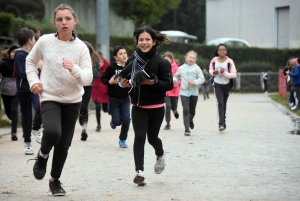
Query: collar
(72,38)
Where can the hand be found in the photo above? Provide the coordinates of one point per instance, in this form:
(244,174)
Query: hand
(67,64)
(190,82)
(148,82)
(215,72)
(222,70)
(125,83)
(113,80)
(37,88)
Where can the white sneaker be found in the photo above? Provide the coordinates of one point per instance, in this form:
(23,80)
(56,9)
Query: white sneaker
(295,107)
(139,178)
(160,164)
(28,148)
(39,135)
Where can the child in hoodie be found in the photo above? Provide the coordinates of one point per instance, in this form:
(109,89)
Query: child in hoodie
(191,77)
(296,79)
(118,97)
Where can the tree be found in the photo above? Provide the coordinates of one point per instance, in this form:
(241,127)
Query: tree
(24,8)
(143,12)
(189,17)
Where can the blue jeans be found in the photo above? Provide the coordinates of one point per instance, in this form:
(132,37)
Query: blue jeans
(120,114)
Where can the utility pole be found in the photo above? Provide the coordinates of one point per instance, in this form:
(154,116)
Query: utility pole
(103,28)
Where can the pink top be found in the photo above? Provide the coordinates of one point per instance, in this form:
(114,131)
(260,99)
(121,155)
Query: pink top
(175,91)
(150,106)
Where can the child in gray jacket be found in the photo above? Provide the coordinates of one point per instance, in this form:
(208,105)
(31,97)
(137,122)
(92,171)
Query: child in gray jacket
(191,78)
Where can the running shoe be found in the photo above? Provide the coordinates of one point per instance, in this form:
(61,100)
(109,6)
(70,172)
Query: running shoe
(139,178)
(167,127)
(160,164)
(56,189)
(28,148)
(123,144)
(187,132)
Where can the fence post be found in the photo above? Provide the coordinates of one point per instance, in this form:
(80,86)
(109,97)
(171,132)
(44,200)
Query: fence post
(282,84)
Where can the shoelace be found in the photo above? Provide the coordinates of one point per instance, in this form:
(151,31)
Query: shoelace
(57,184)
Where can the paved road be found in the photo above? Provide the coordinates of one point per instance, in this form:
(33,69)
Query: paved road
(254,159)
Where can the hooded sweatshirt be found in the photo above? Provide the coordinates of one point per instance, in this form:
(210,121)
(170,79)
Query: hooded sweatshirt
(20,63)
(189,73)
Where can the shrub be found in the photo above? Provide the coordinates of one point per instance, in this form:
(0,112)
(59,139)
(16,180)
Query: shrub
(5,23)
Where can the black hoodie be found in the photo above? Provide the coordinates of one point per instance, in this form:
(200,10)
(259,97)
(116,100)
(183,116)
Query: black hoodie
(114,90)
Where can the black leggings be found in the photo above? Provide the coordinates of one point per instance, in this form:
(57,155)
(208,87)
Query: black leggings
(11,110)
(84,114)
(171,104)
(222,93)
(146,122)
(59,121)
(189,109)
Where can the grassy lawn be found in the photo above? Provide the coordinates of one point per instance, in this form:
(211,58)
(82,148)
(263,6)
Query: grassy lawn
(276,97)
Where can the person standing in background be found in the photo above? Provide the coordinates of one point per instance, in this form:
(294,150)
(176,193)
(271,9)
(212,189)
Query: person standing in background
(266,77)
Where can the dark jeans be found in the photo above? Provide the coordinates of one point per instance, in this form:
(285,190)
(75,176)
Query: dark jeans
(266,85)
(59,121)
(120,114)
(27,100)
(11,110)
(189,109)
(222,93)
(205,90)
(84,114)
(105,109)
(146,122)
(171,104)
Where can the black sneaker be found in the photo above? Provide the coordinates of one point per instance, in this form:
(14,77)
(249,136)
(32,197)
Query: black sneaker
(56,189)
(191,124)
(167,127)
(84,135)
(176,115)
(14,137)
(187,132)
(40,166)
(98,128)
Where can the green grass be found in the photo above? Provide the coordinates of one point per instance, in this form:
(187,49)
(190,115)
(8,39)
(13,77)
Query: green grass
(276,97)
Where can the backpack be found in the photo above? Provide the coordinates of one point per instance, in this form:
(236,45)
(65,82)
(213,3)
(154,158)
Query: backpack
(231,80)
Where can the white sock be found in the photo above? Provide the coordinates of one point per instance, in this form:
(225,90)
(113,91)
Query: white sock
(43,156)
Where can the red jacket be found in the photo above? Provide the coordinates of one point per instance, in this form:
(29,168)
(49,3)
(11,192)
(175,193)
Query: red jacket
(99,90)
(175,91)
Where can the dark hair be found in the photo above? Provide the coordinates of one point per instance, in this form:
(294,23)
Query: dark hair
(298,60)
(116,50)
(24,35)
(221,44)
(155,35)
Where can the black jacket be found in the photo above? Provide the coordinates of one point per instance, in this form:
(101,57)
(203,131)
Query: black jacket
(152,94)
(114,90)
(7,67)
(20,63)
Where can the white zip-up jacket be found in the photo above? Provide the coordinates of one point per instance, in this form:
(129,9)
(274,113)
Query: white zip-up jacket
(189,73)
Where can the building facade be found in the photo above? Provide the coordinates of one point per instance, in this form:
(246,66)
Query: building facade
(86,13)
(263,23)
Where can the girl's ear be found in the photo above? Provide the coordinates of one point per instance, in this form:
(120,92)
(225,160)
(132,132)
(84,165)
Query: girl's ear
(154,42)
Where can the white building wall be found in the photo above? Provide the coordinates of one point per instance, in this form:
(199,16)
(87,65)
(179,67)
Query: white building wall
(251,20)
(86,13)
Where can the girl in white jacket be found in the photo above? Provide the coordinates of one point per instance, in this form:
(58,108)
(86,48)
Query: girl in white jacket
(191,78)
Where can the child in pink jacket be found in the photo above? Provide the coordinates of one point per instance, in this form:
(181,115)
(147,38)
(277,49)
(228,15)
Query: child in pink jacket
(171,96)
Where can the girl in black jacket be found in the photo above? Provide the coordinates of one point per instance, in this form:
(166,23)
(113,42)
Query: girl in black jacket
(149,76)
(8,89)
